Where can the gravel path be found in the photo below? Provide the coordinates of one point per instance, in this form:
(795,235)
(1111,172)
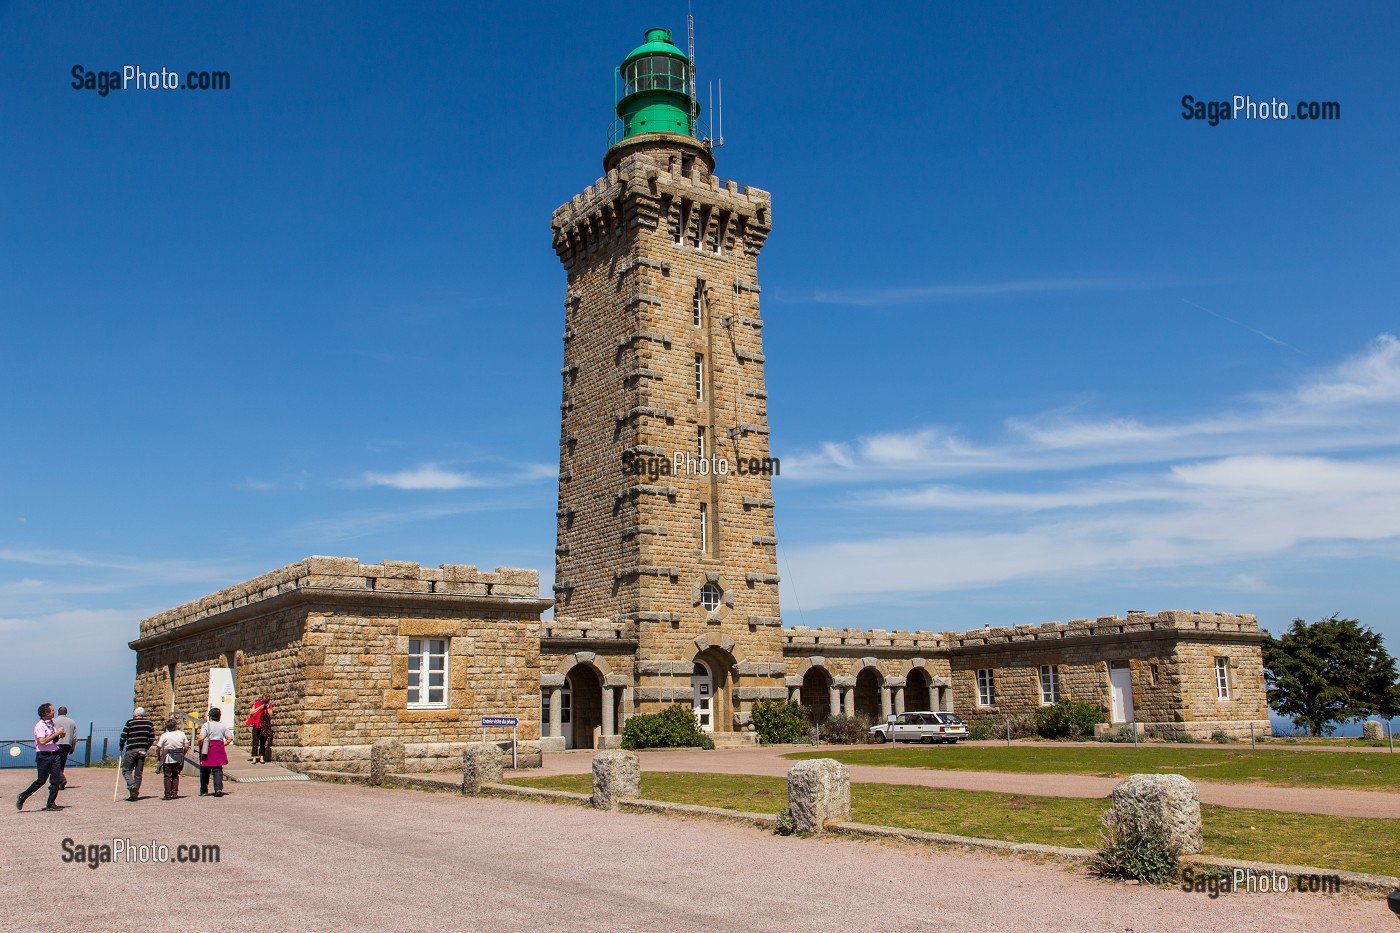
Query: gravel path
(326,857)
(770,761)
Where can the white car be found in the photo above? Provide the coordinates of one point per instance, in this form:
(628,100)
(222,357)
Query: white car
(920,727)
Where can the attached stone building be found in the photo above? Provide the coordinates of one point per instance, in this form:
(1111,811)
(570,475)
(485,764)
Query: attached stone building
(666,577)
(349,653)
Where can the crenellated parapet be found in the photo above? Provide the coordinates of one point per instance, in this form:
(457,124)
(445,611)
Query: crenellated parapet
(696,209)
(799,638)
(347,574)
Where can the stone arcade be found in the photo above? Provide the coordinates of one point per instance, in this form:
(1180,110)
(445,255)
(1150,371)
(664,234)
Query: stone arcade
(666,585)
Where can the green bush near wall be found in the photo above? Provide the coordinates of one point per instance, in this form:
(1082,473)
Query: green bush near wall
(778,723)
(673,727)
(1066,720)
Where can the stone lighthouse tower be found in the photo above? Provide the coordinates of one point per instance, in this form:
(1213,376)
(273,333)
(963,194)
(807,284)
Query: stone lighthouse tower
(665,519)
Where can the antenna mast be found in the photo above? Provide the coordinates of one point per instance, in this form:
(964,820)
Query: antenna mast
(690,50)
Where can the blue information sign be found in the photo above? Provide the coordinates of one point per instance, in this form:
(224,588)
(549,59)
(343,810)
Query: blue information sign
(510,722)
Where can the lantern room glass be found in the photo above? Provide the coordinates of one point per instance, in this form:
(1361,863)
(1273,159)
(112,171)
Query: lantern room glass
(656,73)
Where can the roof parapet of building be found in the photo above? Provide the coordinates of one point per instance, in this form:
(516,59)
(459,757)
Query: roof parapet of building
(347,573)
(1172,619)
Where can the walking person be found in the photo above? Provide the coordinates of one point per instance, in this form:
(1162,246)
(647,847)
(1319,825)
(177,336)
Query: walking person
(138,735)
(214,737)
(260,719)
(47,738)
(67,746)
(171,747)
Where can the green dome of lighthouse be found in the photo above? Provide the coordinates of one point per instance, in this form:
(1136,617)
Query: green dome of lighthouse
(656,89)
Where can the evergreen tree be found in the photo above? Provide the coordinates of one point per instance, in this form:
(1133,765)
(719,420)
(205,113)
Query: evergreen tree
(1332,670)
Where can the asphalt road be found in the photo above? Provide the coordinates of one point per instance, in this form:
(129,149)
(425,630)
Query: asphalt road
(312,856)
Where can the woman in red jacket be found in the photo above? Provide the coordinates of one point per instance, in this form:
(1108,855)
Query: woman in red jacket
(260,719)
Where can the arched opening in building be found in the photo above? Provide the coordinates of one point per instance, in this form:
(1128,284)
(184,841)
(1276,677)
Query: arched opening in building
(815,695)
(714,669)
(868,695)
(585,706)
(918,692)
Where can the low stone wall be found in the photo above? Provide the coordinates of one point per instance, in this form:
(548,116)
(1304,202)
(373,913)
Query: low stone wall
(419,757)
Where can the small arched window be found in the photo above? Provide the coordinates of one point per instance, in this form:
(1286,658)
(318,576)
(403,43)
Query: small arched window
(710,596)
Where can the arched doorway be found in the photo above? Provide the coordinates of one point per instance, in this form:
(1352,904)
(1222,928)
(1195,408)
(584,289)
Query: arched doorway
(868,695)
(917,693)
(815,695)
(585,707)
(702,685)
(716,667)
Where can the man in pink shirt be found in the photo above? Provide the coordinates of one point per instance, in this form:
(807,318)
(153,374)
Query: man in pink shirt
(47,758)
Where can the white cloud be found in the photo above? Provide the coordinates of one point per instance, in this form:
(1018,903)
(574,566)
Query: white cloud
(1353,406)
(912,294)
(1278,474)
(440,478)
(427,476)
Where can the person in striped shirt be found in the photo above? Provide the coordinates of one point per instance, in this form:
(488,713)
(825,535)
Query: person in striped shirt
(138,735)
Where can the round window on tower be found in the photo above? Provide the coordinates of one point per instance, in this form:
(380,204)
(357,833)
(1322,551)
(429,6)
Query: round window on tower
(710,595)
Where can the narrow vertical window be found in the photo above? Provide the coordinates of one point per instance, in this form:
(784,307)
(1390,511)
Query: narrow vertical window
(1049,685)
(696,306)
(681,218)
(704,529)
(700,442)
(427,673)
(986,688)
(699,377)
(1156,675)
(1222,678)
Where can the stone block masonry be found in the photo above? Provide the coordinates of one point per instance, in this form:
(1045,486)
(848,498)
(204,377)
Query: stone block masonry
(346,651)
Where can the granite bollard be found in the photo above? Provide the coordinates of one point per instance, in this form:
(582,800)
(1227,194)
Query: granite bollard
(819,792)
(616,775)
(1170,798)
(481,764)
(386,757)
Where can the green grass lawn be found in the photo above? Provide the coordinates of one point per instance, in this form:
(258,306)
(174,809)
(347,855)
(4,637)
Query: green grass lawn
(1380,771)
(1349,844)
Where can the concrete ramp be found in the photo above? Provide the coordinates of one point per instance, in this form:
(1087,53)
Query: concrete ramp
(241,770)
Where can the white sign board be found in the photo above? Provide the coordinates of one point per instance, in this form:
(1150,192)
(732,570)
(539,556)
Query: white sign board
(221,692)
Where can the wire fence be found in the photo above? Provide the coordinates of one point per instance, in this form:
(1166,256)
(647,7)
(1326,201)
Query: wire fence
(97,743)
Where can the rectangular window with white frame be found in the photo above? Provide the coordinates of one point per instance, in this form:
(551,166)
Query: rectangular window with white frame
(700,442)
(699,377)
(1222,678)
(427,673)
(697,304)
(986,688)
(1049,685)
(704,529)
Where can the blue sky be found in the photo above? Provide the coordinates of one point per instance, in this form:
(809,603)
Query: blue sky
(1038,348)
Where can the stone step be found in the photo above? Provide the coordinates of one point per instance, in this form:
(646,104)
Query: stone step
(734,739)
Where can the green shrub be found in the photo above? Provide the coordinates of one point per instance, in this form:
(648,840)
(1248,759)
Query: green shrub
(1185,738)
(846,730)
(1135,848)
(777,723)
(1067,720)
(673,727)
(1219,736)
(981,730)
(786,825)
(1121,734)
